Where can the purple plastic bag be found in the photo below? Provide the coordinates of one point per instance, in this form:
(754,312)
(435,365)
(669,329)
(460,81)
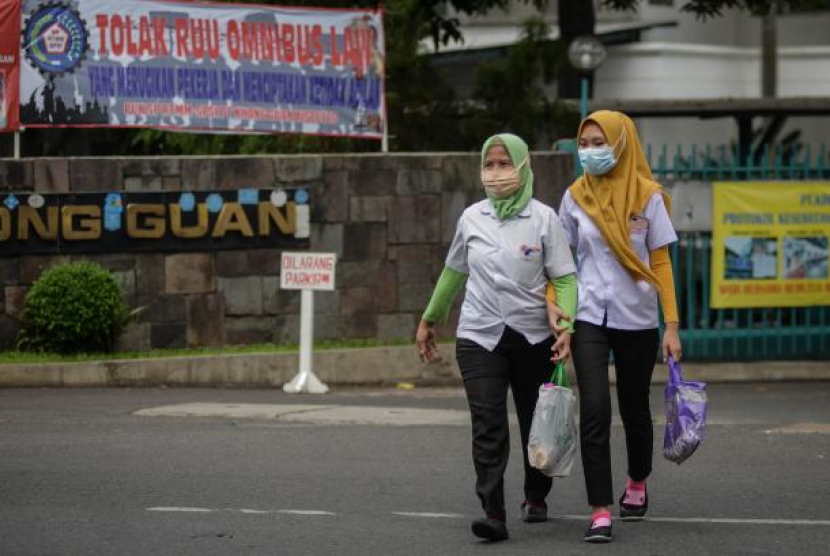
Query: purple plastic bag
(685,415)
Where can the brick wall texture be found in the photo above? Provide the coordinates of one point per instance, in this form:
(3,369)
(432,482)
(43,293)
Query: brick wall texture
(389,218)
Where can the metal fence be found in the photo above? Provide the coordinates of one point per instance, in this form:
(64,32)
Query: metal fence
(739,334)
(721,163)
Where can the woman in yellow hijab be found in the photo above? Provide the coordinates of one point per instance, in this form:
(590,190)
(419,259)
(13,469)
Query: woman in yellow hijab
(617,218)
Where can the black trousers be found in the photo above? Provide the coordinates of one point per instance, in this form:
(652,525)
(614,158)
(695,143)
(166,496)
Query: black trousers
(635,352)
(523,367)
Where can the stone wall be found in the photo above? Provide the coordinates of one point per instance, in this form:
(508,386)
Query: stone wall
(389,218)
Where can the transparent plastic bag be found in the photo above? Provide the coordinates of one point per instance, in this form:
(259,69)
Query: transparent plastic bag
(551,447)
(686,404)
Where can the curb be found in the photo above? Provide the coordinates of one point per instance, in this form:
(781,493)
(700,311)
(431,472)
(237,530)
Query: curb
(340,367)
(337,367)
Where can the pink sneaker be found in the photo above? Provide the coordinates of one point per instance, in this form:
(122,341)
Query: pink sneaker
(634,501)
(600,529)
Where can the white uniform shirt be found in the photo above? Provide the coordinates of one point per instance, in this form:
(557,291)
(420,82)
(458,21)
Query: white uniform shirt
(509,263)
(604,285)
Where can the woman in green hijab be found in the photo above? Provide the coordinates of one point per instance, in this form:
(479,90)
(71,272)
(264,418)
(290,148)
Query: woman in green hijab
(507,248)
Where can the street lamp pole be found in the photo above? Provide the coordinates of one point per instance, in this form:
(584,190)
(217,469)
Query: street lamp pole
(583,98)
(586,54)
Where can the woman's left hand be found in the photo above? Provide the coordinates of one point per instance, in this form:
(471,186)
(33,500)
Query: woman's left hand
(561,347)
(671,342)
(555,316)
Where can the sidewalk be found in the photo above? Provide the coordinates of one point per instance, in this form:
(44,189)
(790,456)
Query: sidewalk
(343,367)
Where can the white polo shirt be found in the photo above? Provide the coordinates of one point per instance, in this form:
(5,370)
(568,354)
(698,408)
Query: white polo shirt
(509,263)
(604,285)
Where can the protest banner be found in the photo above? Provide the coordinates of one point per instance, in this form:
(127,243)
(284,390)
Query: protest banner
(9,63)
(202,67)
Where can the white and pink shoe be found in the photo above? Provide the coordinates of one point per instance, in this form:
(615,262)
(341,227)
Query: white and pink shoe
(634,501)
(600,529)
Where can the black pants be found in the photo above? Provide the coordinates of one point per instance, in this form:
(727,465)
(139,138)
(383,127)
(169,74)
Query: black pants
(487,374)
(635,352)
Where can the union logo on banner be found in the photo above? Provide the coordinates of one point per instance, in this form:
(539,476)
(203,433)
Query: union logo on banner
(55,39)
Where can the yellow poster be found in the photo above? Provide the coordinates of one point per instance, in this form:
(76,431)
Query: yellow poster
(770,244)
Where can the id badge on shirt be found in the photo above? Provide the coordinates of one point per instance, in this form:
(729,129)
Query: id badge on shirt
(639,224)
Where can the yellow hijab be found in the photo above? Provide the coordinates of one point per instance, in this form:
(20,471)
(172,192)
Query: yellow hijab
(611,199)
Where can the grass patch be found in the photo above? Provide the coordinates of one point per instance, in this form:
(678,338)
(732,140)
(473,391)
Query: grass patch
(21,357)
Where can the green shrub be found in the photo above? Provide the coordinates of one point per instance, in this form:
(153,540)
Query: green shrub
(73,308)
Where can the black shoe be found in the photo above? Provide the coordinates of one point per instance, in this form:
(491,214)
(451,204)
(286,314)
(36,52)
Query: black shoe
(598,533)
(490,528)
(633,512)
(534,512)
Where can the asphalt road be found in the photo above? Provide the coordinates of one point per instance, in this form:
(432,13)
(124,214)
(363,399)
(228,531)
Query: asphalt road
(82,474)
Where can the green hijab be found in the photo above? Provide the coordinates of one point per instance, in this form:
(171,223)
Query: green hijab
(519,152)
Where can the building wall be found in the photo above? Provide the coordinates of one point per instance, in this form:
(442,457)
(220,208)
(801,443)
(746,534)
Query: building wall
(677,71)
(734,27)
(389,218)
(670,70)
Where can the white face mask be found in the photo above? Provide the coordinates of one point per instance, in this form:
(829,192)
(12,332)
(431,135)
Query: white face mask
(601,160)
(597,160)
(501,182)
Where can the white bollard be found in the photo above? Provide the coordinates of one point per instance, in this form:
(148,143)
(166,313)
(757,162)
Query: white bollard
(306,380)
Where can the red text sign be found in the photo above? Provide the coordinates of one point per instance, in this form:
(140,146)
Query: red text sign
(307,271)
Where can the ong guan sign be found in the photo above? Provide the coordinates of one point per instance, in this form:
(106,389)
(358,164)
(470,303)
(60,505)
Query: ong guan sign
(31,223)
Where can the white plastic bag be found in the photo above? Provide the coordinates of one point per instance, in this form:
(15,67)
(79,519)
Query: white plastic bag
(551,447)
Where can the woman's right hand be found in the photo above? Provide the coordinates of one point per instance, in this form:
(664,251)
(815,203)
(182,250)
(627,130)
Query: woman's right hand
(425,338)
(561,348)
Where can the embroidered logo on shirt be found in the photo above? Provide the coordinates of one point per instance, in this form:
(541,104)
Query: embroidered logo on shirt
(639,224)
(528,251)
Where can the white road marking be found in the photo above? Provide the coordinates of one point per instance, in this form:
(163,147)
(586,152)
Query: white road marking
(333,414)
(428,514)
(177,509)
(725,520)
(717,520)
(743,521)
(801,428)
(305,512)
(240,510)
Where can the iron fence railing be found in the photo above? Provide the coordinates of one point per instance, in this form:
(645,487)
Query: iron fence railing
(739,334)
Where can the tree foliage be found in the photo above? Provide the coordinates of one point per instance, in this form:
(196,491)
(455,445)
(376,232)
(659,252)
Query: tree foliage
(511,96)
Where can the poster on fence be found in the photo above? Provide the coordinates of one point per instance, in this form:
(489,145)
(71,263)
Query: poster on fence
(202,67)
(770,244)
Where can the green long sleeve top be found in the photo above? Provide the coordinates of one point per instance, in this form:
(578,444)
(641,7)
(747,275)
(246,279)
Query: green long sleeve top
(451,282)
